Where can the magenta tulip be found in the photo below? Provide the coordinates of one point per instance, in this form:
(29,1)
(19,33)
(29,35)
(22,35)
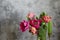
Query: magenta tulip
(35,23)
(24,25)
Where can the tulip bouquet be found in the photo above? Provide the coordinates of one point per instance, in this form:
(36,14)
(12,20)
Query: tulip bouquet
(37,25)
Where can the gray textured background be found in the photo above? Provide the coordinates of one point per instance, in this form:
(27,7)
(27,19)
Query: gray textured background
(14,11)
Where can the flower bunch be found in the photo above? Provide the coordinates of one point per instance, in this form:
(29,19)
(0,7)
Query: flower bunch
(37,25)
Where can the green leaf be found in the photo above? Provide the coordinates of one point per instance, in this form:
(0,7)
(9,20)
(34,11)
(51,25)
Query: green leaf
(42,33)
(37,17)
(28,18)
(42,14)
(49,28)
(44,25)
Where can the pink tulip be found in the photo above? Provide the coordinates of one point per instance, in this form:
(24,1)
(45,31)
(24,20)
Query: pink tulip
(31,15)
(24,25)
(33,30)
(46,18)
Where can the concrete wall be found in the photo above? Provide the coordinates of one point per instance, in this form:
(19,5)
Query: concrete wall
(14,11)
